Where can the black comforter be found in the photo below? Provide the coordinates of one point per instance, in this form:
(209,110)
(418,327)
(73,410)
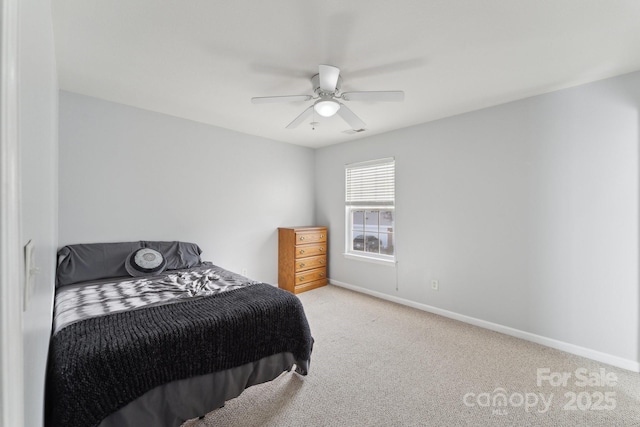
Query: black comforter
(99,365)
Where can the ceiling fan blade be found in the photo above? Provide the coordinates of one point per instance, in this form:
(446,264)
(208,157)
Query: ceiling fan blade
(328,77)
(287,98)
(386,95)
(296,122)
(350,117)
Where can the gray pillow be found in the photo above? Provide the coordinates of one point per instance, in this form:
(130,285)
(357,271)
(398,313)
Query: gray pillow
(93,261)
(178,254)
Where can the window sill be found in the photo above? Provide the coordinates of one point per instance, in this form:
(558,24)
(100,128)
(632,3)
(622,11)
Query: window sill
(387,262)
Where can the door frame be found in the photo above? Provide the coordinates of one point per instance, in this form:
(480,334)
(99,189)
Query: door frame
(11,286)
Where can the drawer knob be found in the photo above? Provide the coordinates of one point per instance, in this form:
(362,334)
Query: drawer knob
(301,237)
(321,274)
(321,249)
(301,251)
(301,278)
(321,261)
(321,236)
(302,264)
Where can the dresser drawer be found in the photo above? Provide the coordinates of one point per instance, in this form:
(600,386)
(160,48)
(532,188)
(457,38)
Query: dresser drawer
(303,264)
(311,275)
(302,238)
(309,285)
(311,250)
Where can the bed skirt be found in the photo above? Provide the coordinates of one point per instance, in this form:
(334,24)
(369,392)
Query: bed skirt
(170,405)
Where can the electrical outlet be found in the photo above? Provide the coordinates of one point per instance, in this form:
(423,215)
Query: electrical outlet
(244,272)
(435,285)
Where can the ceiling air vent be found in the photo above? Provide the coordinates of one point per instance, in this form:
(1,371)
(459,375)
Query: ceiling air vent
(352,131)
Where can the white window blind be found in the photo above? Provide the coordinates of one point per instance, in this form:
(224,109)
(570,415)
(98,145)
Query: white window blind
(371,183)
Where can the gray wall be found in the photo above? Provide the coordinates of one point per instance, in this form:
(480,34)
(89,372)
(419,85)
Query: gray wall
(527,214)
(131,174)
(38,139)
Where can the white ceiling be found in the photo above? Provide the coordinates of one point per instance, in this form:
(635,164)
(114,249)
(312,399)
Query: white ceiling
(204,59)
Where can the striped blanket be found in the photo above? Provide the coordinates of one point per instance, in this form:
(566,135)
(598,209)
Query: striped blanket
(79,302)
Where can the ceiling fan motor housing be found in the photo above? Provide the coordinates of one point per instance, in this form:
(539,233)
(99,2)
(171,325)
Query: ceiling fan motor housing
(315,83)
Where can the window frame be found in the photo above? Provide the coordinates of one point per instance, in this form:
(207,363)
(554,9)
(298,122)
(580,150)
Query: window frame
(386,202)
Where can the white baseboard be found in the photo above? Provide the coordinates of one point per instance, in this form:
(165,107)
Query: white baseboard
(631,365)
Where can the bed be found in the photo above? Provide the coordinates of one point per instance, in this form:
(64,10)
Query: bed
(140,344)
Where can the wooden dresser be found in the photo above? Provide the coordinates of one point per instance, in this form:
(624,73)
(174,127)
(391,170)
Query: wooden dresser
(302,258)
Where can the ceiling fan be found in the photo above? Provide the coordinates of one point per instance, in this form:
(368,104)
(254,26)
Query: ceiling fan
(326,87)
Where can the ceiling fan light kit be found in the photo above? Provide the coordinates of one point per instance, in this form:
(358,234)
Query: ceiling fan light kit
(326,85)
(326,107)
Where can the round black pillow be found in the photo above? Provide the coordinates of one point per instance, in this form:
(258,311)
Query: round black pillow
(145,262)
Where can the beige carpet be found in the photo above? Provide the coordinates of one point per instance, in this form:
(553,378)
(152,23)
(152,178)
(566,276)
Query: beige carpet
(376,363)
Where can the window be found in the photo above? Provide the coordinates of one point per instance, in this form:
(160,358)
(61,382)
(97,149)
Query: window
(370,209)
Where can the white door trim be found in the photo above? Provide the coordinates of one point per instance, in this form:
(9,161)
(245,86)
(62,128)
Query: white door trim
(11,342)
